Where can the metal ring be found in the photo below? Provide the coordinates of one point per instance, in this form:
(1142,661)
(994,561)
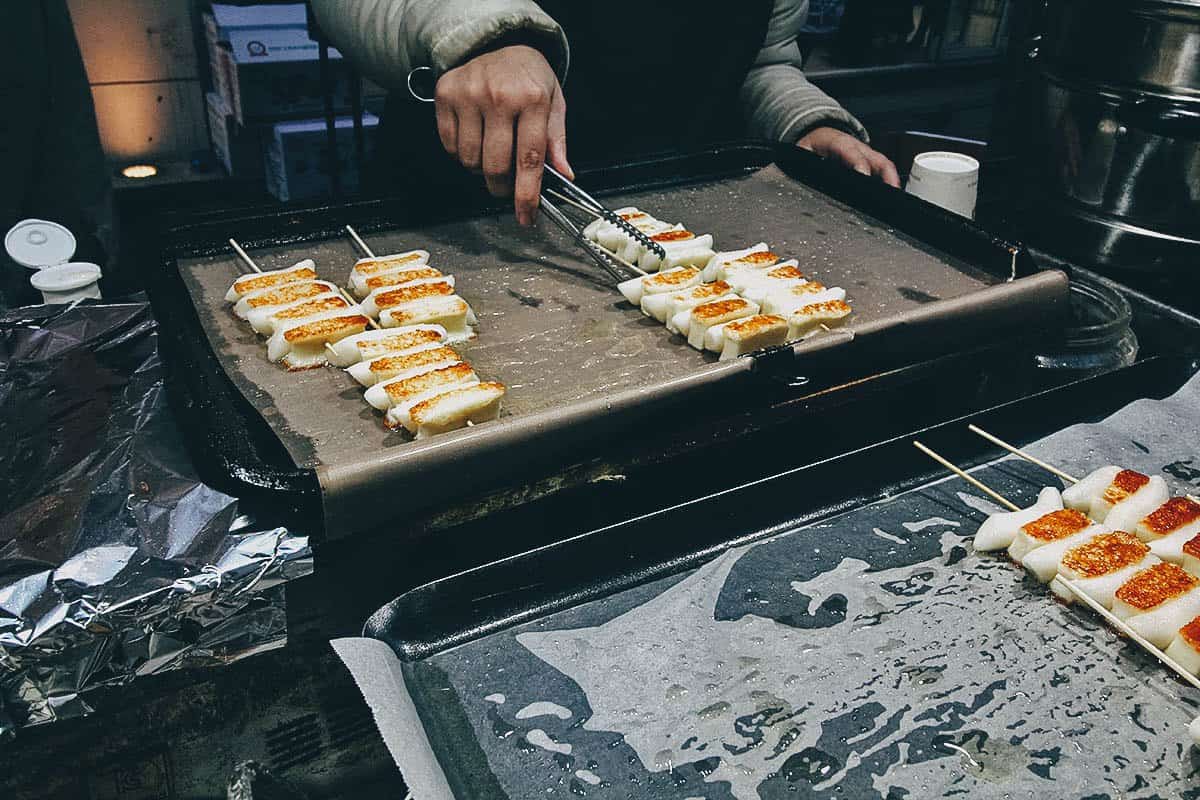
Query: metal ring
(412,90)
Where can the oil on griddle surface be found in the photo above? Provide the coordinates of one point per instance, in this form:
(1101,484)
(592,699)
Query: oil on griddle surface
(551,326)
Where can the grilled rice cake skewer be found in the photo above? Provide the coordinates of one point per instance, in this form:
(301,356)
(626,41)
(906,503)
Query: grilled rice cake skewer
(375,343)
(1158,601)
(278,297)
(998,530)
(1169,527)
(454,409)
(452,313)
(369,267)
(302,346)
(1101,565)
(393,365)
(1113,490)
(266,322)
(305,270)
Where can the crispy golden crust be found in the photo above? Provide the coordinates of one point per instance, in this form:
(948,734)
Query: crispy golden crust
(331,303)
(1124,484)
(1172,515)
(715,289)
(252,283)
(632,215)
(399,341)
(764,258)
(672,277)
(711,311)
(1105,554)
(1156,585)
(1191,633)
(1192,547)
(831,308)
(393,278)
(490,389)
(406,294)
(812,287)
(327,328)
(287,294)
(673,236)
(403,317)
(1056,525)
(787,273)
(753,326)
(410,387)
(377,265)
(418,359)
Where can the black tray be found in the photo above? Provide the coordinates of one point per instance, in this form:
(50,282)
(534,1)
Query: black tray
(463,622)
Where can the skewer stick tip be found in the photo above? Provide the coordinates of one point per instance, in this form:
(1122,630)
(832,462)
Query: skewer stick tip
(358,240)
(968,478)
(1016,451)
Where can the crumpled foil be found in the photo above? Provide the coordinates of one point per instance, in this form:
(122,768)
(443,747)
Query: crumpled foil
(115,559)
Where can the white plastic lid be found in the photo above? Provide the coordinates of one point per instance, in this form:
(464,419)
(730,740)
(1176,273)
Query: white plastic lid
(65,277)
(38,243)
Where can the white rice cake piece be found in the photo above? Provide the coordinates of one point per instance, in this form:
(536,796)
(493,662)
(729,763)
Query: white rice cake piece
(456,409)
(592,229)
(274,298)
(398,277)
(1184,648)
(366,267)
(809,318)
(682,247)
(758,256)
(998,530)
(664,306)
(390,296)
(761,283)
(451,313)
(305,270)
(1101,565)
(1052,536)
(1191,555)
(790,300)
(1062,524)
(375,343)
(266,322)
(1125,492)
(1169,527)
(406,388)
(669,280)
(409,362)
(615,239)
(746,335)
(302,345)
(707,315)
(1162,592)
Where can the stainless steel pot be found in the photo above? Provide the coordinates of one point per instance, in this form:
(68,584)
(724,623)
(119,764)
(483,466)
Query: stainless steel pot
(1145,46)
(1118,131)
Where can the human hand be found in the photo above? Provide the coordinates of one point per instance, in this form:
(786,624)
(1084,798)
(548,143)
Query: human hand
(841,146)
(499,103)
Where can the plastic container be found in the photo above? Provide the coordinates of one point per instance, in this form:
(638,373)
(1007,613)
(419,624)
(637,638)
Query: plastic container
(67,283)
(946,179)
(39,243)
(1097,338)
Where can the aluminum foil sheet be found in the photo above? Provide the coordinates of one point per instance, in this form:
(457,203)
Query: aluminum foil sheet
(115,559)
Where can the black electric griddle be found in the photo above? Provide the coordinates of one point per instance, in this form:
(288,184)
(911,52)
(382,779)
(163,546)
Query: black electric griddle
(230,412)
(486,654)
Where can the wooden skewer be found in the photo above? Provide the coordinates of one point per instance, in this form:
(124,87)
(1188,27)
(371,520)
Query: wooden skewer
(973,481)
(237,248)
(1120,625)
(1018,452)
(358,240)
(1075,591)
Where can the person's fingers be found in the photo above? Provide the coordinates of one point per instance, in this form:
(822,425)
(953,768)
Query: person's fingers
(530,155)
(853,155)
(470,136)
(883,167)
(447,125)
(497,152)
(556,134)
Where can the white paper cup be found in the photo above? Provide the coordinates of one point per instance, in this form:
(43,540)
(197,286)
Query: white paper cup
(949,180)
(66,283)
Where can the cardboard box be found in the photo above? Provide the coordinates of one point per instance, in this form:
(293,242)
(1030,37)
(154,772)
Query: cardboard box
(265,65)
(296,157)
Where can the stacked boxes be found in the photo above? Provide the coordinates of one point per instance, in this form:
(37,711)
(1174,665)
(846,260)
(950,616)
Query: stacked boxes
(267,97)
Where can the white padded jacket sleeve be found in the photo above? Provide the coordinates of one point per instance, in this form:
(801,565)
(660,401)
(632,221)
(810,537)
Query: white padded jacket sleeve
(387,38)
(778,101)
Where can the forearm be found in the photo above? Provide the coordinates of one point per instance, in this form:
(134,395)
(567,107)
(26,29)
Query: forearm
(781,105)
(388,38)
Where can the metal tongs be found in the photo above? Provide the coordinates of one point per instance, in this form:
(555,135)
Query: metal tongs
(567,191)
